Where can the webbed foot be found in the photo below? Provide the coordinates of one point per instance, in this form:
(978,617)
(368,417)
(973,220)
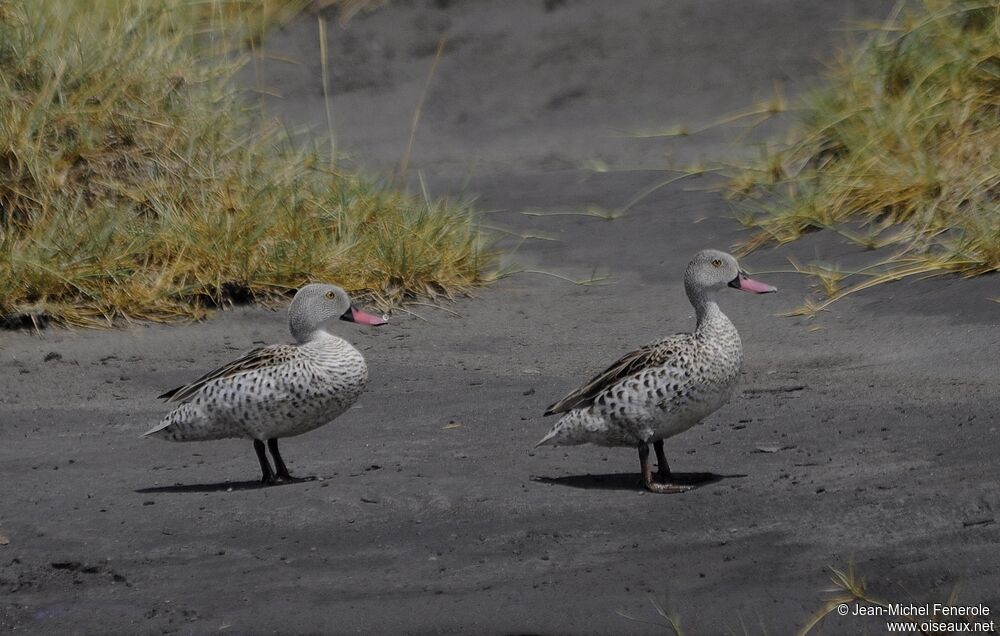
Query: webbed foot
(664,485)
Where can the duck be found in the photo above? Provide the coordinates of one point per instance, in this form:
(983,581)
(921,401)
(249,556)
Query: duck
(667,386)
(280,390)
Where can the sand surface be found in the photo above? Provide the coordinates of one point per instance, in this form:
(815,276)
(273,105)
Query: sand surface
(868,432)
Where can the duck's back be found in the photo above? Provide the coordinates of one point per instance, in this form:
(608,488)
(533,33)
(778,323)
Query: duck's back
(308,388)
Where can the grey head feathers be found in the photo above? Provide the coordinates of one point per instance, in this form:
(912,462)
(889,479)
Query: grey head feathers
(708,272)
(313,306)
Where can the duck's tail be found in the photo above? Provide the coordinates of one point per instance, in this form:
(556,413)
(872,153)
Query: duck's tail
(160,430)
(548,438)
(187,424)
(571,429)
(579,426)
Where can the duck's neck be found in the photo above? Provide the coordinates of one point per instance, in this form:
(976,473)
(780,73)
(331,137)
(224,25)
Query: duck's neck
(708,313)
(706,309)
(303,336)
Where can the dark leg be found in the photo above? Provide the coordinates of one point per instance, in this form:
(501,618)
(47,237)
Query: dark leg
(663,471)
(647,475)
(267,475)
(279,465)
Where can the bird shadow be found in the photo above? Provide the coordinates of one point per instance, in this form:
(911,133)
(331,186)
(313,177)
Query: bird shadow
(630,481)
(221,486)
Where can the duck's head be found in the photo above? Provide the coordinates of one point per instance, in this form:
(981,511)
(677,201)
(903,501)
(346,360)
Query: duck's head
(316,304)
(711,270)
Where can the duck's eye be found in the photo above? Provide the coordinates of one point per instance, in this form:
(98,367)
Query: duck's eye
(716,263)
(330,295)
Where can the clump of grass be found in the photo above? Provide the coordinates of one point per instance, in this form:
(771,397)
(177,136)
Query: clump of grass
(135,185)
(670,619)
(850,588)
(900,149)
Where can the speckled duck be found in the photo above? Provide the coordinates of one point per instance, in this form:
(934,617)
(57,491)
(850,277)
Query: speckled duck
(667,386)
(280,390)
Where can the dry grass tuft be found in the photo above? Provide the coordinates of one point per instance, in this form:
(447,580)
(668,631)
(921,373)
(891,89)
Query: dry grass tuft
(669,619)
(850,588)
(135,185)
(901,149)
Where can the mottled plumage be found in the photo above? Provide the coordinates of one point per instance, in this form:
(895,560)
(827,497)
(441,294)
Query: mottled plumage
(260,358)
(667,386)
(279,390)
(271,392)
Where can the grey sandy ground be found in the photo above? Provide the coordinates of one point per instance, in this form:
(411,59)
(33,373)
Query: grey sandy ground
(878,424)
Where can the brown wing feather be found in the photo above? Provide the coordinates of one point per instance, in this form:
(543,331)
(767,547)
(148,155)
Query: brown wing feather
(652,354)
(258,358)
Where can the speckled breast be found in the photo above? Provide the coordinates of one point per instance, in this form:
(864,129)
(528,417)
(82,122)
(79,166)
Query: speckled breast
(713,381)
(323,383)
